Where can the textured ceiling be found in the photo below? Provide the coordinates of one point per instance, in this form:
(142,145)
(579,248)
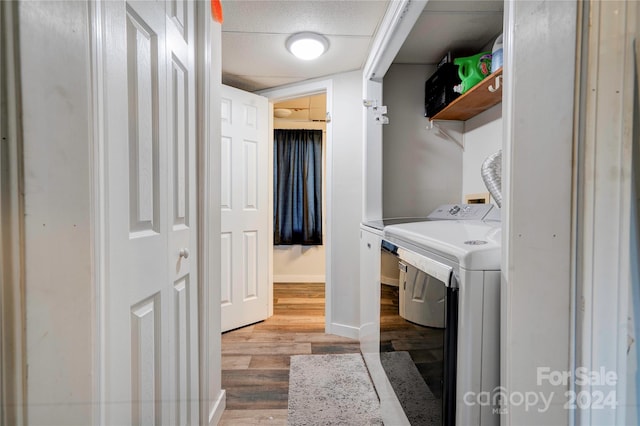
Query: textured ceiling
(309,108)
(463,27)
(254,56)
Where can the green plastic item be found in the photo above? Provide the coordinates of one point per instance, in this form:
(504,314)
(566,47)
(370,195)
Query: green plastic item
(472,69)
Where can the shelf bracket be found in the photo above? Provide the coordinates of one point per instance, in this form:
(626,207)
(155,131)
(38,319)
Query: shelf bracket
(447,134)
(498,82)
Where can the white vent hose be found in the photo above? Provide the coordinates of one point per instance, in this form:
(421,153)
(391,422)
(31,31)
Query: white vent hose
(492,175)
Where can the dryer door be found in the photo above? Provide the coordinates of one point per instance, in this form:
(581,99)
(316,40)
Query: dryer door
(418,340)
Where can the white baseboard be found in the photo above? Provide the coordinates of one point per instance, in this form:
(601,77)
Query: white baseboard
(344,330)
(215,412)
(298,278)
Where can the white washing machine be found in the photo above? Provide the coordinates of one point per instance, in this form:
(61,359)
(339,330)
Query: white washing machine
(461,261)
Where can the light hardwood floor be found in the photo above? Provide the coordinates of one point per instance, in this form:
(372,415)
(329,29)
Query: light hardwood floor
(255,359)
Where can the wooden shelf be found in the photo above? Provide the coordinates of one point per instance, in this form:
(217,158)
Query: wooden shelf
(478,99)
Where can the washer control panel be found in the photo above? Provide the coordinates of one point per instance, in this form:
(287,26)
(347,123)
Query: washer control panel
(461,212)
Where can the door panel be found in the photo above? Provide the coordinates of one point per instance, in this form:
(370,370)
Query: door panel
(136,366)
(145,361)
(181,129)
(226,166)
(150,306)
(250,175)
(142,84)
(225,266)
(251,265)
(244,204)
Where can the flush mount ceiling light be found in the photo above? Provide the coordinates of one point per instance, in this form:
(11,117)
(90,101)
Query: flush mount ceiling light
(307,46)
(281,112)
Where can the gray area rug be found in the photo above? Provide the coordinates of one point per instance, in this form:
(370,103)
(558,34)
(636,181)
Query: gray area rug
(418,402)
(331,390)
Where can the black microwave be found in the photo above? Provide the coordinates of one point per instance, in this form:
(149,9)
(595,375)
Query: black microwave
(438,90)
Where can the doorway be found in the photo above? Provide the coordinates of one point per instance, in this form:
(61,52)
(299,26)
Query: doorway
(297,263)
(287,262)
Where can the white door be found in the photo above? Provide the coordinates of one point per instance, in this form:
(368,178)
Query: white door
(245,210)
(151,308)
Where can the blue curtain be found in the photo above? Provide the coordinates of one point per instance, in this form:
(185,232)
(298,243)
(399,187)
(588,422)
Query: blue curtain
(297,187)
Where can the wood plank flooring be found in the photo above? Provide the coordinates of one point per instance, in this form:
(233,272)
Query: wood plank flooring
(255,359)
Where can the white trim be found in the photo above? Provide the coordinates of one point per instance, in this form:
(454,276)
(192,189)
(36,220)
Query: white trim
(344,330)
(98,204)
(381,41)
(508,88)
(582,23)
(605,183)
(295,91)
(12,308)
(217,408)
(397,22)
(13,381)
(298,278)
(372,205)
(208,89)
(270,278)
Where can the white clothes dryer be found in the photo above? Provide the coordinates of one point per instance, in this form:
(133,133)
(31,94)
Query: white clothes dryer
(461,261)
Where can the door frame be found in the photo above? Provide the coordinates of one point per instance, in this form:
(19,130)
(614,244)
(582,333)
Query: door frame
(208,90)
(605,128)
(12,309)
(280,94)
(98,197)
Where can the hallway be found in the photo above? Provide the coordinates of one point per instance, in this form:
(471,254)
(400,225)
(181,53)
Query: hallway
(255,359)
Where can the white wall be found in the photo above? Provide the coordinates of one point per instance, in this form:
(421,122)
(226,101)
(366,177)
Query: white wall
(538,119)
(482,137)
(297,263)
(58,251)
(344,194)
(345,161)
(421,170)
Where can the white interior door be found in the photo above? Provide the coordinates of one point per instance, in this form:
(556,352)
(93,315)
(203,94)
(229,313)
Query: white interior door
(245,211)
(150,307)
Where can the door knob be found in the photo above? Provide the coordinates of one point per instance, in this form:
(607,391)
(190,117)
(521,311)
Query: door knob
(184,253)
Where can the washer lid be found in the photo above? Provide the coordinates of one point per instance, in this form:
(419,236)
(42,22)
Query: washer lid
(380,224)
(474,245)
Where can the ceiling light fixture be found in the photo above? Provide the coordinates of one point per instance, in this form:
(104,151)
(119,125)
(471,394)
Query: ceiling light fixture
(282,112)
(307,46)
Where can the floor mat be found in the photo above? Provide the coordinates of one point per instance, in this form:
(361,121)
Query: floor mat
(331,389)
